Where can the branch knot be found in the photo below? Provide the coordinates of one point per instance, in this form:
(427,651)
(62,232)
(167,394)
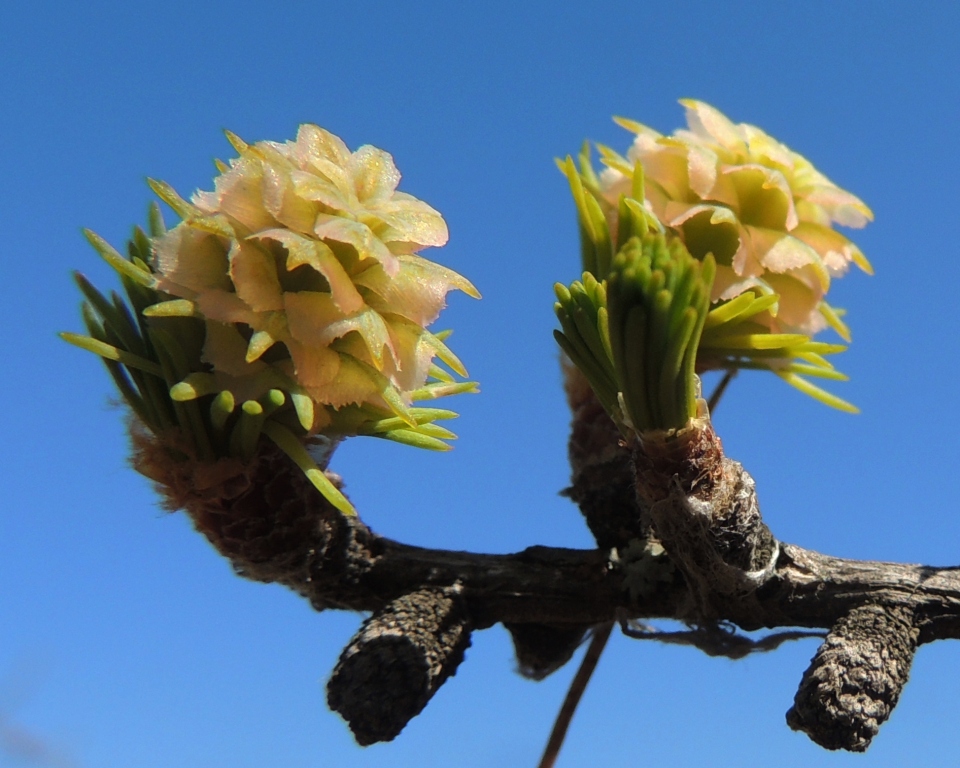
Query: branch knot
(856,677)
(397,661)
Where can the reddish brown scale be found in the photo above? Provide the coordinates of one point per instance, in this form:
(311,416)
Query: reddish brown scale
(263,515)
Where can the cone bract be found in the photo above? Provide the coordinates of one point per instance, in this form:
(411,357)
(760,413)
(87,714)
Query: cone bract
(762,210)
(302,265)
(288,303)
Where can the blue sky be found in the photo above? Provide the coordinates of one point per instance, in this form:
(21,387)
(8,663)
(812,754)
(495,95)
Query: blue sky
(126,641)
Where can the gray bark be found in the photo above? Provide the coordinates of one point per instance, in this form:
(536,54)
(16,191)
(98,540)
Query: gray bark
(679,536)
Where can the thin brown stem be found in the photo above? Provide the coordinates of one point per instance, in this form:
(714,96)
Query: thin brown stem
(599,642)
(721,388)
(601,634)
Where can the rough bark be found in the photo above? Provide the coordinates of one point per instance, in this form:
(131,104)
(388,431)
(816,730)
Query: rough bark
(548,596)
(398,659)
(679,536)
(855,680)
